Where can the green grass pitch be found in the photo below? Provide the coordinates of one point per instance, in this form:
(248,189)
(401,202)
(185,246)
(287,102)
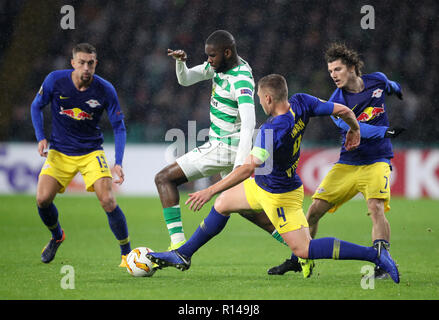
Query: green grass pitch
(233,266)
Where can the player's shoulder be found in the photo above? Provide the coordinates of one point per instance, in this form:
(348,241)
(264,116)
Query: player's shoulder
(375,77)
(281,122)
(56,78)
(59,74)
(104,84)
(302,99)
(242,72)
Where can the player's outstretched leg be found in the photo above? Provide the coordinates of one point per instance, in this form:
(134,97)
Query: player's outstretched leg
(303,246)
(170,259)
(180,258)
(332,248)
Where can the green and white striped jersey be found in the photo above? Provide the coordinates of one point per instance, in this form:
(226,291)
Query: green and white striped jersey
(231,99)
(230,90)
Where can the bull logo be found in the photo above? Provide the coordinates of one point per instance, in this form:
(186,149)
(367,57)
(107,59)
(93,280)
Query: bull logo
(370,112)
(76,114)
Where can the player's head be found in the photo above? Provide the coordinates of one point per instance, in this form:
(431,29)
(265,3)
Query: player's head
(84,61)
(272,90)
(344,64)
(221,52)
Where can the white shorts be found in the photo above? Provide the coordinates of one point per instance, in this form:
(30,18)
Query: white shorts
(207,160)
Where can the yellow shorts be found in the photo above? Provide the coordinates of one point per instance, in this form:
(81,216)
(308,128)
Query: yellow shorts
(284,210)
(345,181)
(63,168)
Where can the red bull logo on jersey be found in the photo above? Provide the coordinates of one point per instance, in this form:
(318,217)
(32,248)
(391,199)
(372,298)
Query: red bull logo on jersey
(76,114)
(370,113)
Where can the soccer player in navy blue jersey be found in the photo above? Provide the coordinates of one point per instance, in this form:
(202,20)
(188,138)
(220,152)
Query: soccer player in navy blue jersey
(366,169)
(78,98)
(276,188)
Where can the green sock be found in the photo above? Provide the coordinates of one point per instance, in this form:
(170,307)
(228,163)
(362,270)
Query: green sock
(174,224)
(278,237)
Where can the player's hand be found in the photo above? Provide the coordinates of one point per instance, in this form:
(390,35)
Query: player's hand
(352,141)
(198,199)
(42,148)
(119,173)
(177,54)
(397,93)
(393,88)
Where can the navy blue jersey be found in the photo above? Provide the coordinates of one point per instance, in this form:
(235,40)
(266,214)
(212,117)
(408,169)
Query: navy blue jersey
(370,108)
(76,114)
(278,143)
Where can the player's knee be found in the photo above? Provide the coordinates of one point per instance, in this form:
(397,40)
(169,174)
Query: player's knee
(376,208)
(161,178)
(221,205)
(316,211)
(108,202)
(43,201)
(300,251)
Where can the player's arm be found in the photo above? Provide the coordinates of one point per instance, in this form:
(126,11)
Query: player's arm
(238,175)
(115,116)
(353,135)
(188,76)
(120,136)
(392,87)
(246,106)
(369,131)
(36,109)
(319,107)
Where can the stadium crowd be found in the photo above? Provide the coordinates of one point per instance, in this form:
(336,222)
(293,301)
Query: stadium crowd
(279,36)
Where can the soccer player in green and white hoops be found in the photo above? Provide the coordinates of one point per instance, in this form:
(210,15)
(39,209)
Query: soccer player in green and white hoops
(232,117)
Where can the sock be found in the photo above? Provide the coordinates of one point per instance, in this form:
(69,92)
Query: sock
(49,216)
(118,225)
(385,243)
(209,227)
(332,248)
(278,237)
(174,224)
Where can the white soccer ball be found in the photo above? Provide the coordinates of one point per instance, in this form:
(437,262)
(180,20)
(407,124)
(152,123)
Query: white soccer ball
(138,265)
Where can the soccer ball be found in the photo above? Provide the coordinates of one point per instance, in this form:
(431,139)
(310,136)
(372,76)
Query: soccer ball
(138,265)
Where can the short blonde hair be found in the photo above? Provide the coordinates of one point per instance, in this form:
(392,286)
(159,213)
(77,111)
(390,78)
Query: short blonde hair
(276,85)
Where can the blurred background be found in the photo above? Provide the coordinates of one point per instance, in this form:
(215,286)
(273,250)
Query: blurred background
(278,36)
